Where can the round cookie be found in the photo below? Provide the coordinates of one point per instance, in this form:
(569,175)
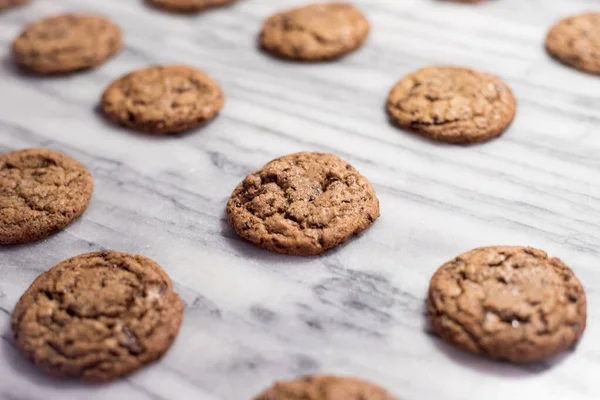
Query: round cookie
(97,316)
(41,192)
(302,204)
(163,99)
(66,43)
(451,104)
(325,387)
(575,41)
(315,32)
(188,6)
(6,4)
(508,303)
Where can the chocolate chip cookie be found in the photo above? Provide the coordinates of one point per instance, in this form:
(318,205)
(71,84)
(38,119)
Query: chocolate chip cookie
(97,316)
(6,4)
(508,303)
(66,43)
(316,32)
(188,6)
(325,387)
(302,204)
(163,99)
(41,192)
(575,41)
(451,104)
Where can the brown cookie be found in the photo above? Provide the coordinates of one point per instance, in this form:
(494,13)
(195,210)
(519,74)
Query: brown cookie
(6,4)
(508,303)
(302,204)
(188,6)
(66,43)
(41,192)
(451,104)
(97,316)
(315,32)
(163,99)
(575,41)
(325,387)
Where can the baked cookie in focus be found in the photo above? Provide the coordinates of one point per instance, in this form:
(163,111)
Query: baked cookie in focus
(325,387)
(41,192)
(66,43)
(315,32)
(452,104)
(302,204)
(575,41)
(163,99)
(508,303)
(188,6)
(97,317)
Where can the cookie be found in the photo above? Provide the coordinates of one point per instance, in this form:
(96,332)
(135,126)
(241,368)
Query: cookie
(302,204)
(6,4)
(97,317)
(451,104)
(41,192)
(508,303)
(325,387)
(315,32)
(575,41)
(163,99)
(66,43)
(188,6)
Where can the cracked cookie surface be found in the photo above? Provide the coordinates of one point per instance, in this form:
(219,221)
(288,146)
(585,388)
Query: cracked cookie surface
(66,43)
(575,41)
(302,204)
(97,316)
(6,4)
(163,99)
(325,387)
(452,104)
(315,32)
(508,303)
(188,6)
(41,192)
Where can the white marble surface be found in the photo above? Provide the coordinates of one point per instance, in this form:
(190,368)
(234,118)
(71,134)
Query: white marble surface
(252,317)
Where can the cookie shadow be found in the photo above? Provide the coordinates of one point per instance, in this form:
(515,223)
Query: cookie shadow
(7,64)
(502,369)
(150,136)
(27,370)
(245,249)
(432,142)
(185,13)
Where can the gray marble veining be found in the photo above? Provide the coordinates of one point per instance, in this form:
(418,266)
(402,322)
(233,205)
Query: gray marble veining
(252,317)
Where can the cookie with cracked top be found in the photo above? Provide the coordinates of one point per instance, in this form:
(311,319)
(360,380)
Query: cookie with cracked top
(315,32)
(325,387)
(302,204)
(452,104)
(508,303)
(6,4)
(163,99)
(66,43)
(575,41)
(41,192)
(97,316)
(188,6)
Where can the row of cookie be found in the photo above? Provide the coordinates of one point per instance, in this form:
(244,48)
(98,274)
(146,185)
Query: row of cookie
(103,315)
(449,104)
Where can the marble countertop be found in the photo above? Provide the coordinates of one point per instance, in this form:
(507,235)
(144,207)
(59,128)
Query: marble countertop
(251,316)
